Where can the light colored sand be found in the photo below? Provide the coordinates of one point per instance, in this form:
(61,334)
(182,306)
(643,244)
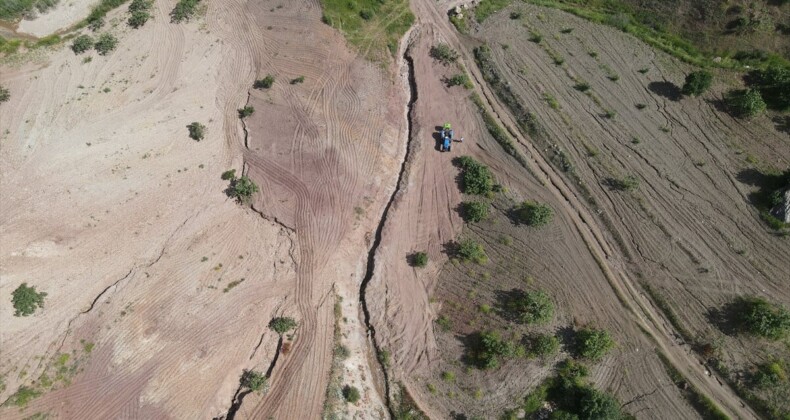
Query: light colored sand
(62,16)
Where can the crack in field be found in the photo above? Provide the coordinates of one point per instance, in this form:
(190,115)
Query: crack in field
(371,261)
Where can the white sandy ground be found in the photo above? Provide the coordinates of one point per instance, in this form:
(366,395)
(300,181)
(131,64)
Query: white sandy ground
(62,16)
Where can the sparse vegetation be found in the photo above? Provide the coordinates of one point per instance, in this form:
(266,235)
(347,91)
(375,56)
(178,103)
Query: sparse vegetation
(139,11)
(351,394)
(282,325)
(534,214)
(5,94)
(474,211)
(105,43)
(491,348)
(253,380)
(81,44)
(745,103)
(593,344)
(420,259)
(627,183)
(184,10)
(95,19)
(11,10)
(476,178)
(22,397)
(444,323)
(448,376)
(497,132)
(460,79)
(582,86)
(264,83)
(757,316)
(373,26)
(197,132)
(246,111)
(26,300)
(487,8)
(469,250)
(297,80)
(444,53)
(697,82)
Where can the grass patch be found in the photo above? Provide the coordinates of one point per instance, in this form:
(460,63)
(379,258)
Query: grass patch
(95,19)
(184,10)
(486,8)
(378,32)
(12,10)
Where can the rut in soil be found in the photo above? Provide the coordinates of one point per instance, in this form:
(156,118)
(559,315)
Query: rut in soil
(371,264)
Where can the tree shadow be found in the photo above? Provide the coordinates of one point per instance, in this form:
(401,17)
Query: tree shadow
(767,184)
(725,318)
(450,248)
(782,124)
(504,303)
(471,343)
(666,89)
(567,337)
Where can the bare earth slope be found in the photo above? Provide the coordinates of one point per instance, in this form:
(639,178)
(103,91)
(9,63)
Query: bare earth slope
(160,288)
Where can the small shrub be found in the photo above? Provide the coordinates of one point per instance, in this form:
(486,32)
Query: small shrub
(644,70)
(532,307)
(595,404)
(745,103)
(184,10)
(366,14)
(443,53)
(26,300)
(81,44)
(282,325)
(697,82)
(641,106)
(298,80)
(448,376)
(22,396)
(351,394)
(469,250)
(543,345)
(444,323)
(535,37)
(476,177)
(515,15)
(757,316)
(534,214)
(609,114)
(138,18)
(138,5)
(342,352)
(491,347)
(460,79)
(593,344)
(566,30)
(254,380)
(229,175)
(774,86)
(420,259)
(264,83)
(627,183)
(5,94)
(246,111)
(197,131)
(105,43)
(770,374)
(474,211)
(384,358)
(582,86)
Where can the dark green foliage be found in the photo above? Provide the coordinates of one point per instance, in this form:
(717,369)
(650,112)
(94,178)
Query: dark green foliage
(5,94)
(22,396)
(184,10)
(366,14)
(469,250)
(476,178)
(246,111)
(770,374)
(81,44)
(444,53)
(11,10)
(542,345)
(229,175)
(774,86)
(460,79)
(351,394)
(757,316)
(745,103)
(282,325)
(582,86)
(254,380)
(197,131)
(138,5)
(597,405)
(298,80)
(531,307)
(264,83)
(138,19)
(444,323)
(384,358)
(534,214)
(26,300)
(487,8)
(627,183)
(491,348)
(420,259)
(474,211)
(593,344)
(515,15)
(697,82)
(105,43)
(242,189)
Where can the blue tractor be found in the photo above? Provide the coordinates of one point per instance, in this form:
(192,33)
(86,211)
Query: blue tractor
(447,137)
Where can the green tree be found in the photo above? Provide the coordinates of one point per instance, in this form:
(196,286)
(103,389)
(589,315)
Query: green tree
(469,250)
(351,394)
(745,103)
(542,345)
(246,111)
(534,214)
(443,53)
(697,82)
(476,178)
(105,43)
(420,259)
(197,131)
(264,83)
(138,18)
(597,405)
(532,307)
(759,317)
(26,300)
(282,325)
(774,86)
(229,175)
(138,5)
(184,10)
(242,189)
(81,44)
(474,211)
(491,348)
(254,380)
(593,344)
(5,94)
